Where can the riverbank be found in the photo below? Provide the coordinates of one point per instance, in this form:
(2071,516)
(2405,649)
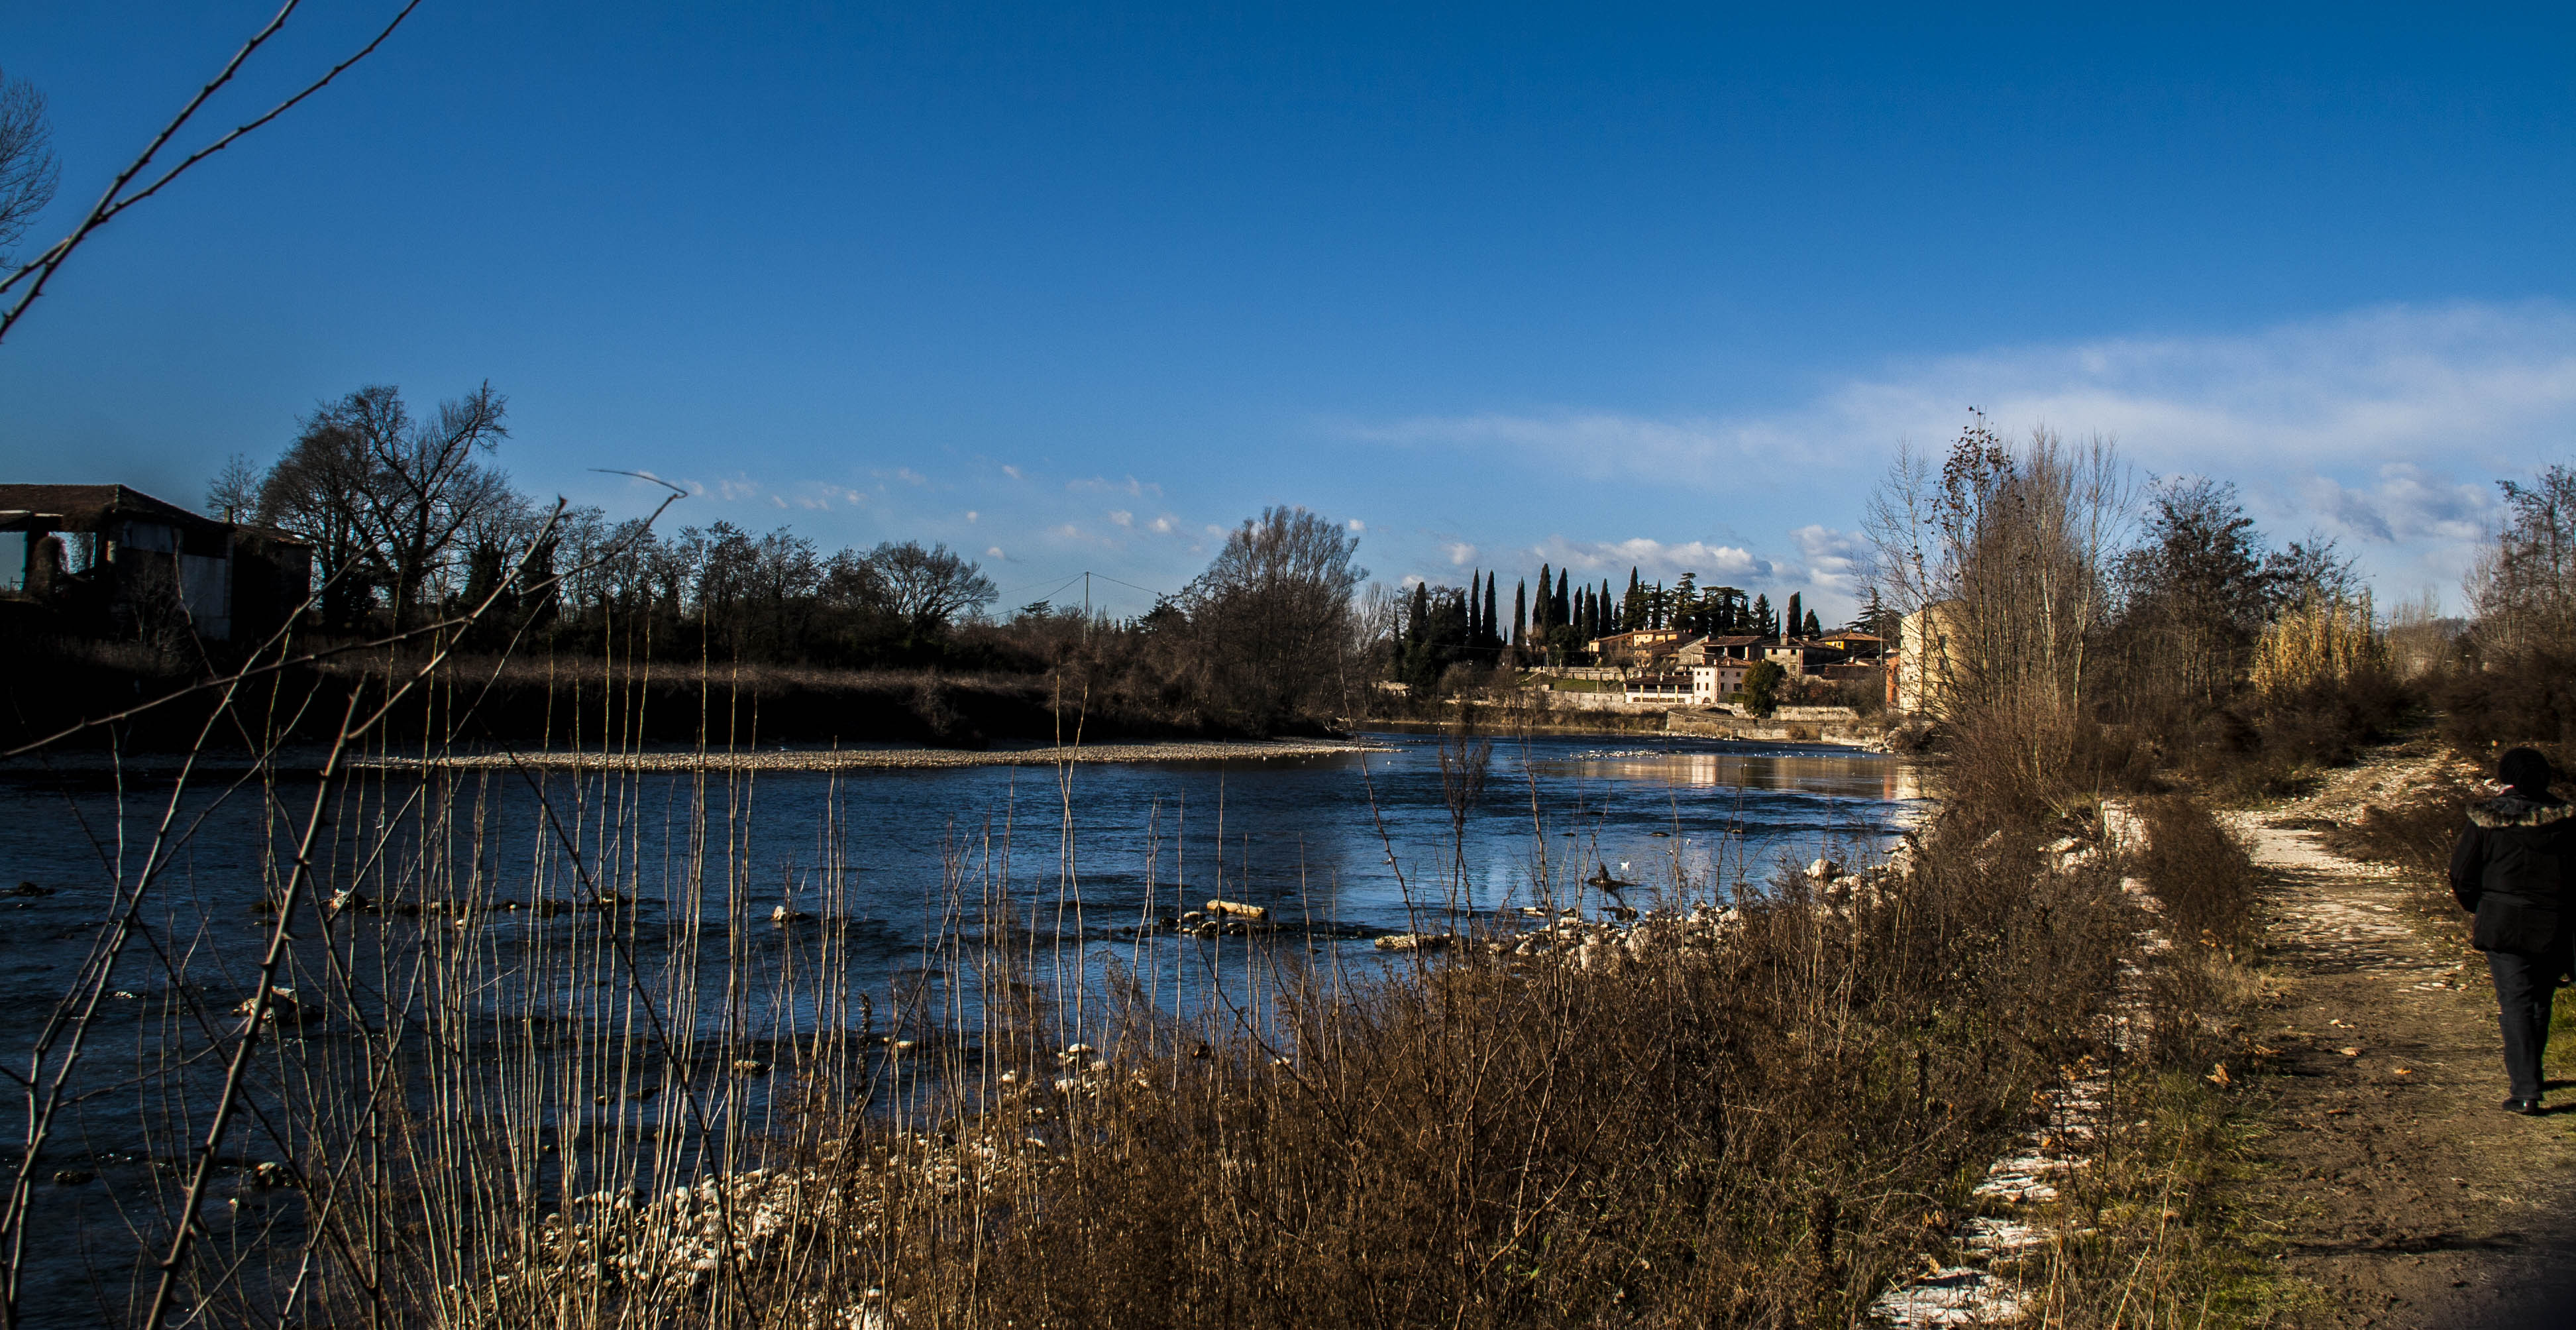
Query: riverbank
(853,759)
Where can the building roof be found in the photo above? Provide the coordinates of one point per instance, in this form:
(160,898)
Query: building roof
(88,508)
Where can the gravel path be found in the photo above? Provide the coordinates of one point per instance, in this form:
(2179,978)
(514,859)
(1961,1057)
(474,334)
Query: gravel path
(2403,1193)
(848,759)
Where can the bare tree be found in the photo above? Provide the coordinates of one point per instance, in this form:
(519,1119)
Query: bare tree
(2008,547)
(233,495)
(385,500)
(929,588)
(2523,589)
(132,186)
(313,492)
(1272,616)
(28,171)
(427,487)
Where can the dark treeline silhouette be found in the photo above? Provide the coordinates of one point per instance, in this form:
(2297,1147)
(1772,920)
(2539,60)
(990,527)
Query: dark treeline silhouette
(413,529)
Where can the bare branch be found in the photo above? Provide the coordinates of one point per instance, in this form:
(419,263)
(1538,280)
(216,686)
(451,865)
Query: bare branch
(40,271)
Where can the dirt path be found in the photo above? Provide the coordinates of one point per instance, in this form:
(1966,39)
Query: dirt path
(2404,1193)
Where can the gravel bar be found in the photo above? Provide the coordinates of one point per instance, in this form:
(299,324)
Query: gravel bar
(849,759)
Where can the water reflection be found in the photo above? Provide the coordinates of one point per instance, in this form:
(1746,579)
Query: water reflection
(1840,774)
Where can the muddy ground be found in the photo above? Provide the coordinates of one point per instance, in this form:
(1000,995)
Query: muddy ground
(2386,1169)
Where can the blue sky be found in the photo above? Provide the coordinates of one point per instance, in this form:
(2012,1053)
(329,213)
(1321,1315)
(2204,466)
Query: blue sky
(1586,284)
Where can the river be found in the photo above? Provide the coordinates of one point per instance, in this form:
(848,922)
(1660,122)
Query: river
(763,908)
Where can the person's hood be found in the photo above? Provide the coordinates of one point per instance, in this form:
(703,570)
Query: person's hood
(2513,808)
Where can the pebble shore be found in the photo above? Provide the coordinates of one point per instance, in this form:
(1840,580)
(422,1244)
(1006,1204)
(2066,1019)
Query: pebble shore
(852,759)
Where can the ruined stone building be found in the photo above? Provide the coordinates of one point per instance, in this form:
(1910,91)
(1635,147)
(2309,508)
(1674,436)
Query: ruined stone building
(110,562)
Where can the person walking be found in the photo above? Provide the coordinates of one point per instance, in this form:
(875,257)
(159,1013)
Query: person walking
(2515,869)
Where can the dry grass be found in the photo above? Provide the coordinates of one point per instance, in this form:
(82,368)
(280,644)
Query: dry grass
(503,1094)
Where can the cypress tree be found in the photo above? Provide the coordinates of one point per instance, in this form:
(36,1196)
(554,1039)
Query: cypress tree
(1475,607)
(1560,610)
(1797,618)
(1814,627)
(1493,636)
(1421,612)
(1520,611)
(1540,617)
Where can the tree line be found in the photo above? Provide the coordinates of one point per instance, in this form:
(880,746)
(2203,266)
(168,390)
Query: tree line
(409,519)
(2078,619)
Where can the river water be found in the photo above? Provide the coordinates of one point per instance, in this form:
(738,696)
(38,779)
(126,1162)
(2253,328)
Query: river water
(477,886)
(1345,846)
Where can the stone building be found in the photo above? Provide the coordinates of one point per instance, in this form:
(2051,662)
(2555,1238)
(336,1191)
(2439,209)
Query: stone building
(108,561)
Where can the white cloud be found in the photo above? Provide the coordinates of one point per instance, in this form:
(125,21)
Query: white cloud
(821,496)
(1835,563)
(995,552)
(1358,525)
(2402,383)
(1654,560)
(1460,552)
(1163,525)
(2384,427)
(1131,487)
(2406,504)
(1122,517)
(1013,472)
(972,515)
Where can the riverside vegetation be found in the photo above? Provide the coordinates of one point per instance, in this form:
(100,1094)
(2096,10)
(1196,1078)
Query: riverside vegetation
(454,1092)
(477,1072)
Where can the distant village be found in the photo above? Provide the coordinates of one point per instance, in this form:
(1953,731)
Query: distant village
(1652,648)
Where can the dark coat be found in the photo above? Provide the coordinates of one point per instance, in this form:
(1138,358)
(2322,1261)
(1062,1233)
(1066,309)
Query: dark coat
(2515,867)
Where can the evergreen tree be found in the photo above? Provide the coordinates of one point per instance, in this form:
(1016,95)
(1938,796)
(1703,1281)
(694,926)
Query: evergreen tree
(1873,618)
(1796,617)
(1559,612)
(1493,635)
(1815,628)
(1766,625)
(1416,631)
(1520,612)
(1603,620)
(1540,618)
(1475,610)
